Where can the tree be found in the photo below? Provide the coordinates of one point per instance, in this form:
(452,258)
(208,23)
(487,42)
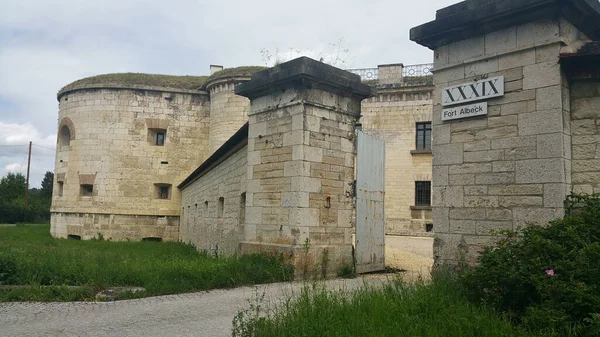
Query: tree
(12,186)
(46,190)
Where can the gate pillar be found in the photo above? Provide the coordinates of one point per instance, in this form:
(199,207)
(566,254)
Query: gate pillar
(299,199)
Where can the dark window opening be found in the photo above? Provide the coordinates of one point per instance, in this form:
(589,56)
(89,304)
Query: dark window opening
(73,237)
(220,207)
(424,136)
(243,208)
(160,138)
(61,186)
(152,239)
(65,136)
(86,190)
(422,193)
(162,191)
(157,137)
(164,162)
(429,227)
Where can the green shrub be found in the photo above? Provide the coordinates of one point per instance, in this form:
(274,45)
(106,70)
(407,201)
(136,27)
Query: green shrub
(546,278)
(8,268)
(394,309)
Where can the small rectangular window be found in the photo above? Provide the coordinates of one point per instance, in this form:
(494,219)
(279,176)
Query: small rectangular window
(162,191)
(61,186)
(423,136)
(422,193)
(160,138)
(220,207)
(157,137)
(243,208)
(86,190)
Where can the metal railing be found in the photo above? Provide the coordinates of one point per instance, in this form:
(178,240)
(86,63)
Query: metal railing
(417,70)
(366,74)
(413,70)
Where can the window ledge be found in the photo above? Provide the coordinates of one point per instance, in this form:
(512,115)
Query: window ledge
(423,208)
(413,152)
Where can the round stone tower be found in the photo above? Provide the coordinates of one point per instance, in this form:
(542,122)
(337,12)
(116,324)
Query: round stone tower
(125,141)
(228,111)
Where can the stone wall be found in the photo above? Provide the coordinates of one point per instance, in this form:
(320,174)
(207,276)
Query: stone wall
(301,164)
(513,166)
(392,115)
(585,130)
(228,111)
(203,224)
(112,147)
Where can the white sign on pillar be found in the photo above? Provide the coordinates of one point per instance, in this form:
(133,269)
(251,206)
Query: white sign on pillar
(463,111)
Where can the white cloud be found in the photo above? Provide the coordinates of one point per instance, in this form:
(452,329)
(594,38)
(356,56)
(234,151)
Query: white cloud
(14,148)
(48,44)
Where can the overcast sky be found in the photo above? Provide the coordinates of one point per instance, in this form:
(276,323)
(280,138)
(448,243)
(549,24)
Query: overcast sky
(45,45)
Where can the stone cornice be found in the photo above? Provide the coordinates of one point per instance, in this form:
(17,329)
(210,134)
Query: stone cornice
(129,87)
(473,18)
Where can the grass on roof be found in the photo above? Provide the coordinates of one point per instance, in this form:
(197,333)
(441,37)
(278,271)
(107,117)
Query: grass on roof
(238,71)
(154,80)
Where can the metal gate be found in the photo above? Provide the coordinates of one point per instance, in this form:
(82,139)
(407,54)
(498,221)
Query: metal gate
(370,195)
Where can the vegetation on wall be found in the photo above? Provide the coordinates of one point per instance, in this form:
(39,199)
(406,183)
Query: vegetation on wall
(14,208)
(132,79)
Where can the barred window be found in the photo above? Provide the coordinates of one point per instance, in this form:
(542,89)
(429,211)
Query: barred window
(424,136)
(422,193)
(162,191)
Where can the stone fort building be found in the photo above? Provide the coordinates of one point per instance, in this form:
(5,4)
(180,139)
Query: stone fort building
(130,146)
(516,116)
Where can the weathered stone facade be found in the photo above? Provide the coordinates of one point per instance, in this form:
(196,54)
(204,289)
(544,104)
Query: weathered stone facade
(296,185)
(514,165)
(111,123)
(109,169)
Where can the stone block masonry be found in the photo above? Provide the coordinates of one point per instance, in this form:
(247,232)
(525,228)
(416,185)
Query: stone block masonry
(301,163)
(512,166)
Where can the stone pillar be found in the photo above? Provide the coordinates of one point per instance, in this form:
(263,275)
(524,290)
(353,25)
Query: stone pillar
(301,163)
(511,166)
(390,73)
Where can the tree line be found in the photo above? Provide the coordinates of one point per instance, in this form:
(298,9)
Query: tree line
(13,205)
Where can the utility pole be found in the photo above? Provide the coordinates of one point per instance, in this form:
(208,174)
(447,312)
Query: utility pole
(27,187)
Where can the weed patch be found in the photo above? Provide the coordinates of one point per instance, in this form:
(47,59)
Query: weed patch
(30,256)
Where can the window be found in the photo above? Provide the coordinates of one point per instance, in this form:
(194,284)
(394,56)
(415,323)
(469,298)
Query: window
(61,185)
(86,190)
(65,136)
(424,136)
(429,227)
(422,193)
(220,207)
(162,191)
(243,208)
(157,136)
(160,138)
(206,209)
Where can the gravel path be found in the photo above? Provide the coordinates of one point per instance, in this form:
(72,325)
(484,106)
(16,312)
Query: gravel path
(194,314)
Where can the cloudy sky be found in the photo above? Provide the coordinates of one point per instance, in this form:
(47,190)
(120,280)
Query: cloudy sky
(45,45)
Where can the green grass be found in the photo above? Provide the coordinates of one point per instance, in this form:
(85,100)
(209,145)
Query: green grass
(397,309)
(154,80)
(30,256)
(237,71)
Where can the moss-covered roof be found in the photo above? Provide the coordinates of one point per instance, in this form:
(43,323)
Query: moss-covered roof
(238,71)
(131,79)
(156,80)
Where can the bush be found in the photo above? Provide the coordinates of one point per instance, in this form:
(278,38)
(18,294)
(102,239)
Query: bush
(545,278)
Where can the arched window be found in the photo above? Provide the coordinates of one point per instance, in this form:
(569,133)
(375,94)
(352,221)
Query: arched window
(66,132)
(65,136)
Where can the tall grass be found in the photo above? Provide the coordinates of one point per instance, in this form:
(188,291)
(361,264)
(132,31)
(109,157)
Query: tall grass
(396,309)
(30,256)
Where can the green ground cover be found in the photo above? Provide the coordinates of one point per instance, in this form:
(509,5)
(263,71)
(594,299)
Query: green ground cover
(397,309)
(30,256)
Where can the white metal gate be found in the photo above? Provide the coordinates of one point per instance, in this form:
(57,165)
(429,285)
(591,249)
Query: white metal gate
(370,196)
